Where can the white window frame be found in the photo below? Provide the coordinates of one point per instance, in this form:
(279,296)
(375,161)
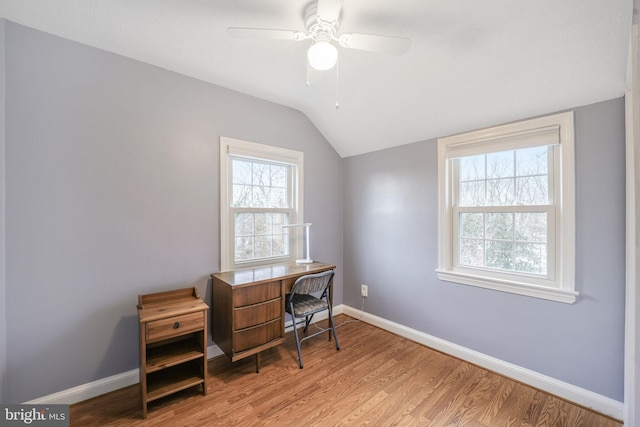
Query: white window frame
(555,130)
(231,148)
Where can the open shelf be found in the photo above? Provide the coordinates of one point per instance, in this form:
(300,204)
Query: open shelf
(166,356)
(172,380)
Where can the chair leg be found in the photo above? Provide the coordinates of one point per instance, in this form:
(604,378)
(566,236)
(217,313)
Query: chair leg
(295,332)
(333,328)
(307,322)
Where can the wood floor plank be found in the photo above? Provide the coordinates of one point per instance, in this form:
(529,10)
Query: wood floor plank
(376,378)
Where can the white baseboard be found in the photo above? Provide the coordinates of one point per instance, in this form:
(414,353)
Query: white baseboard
(125,379)
(102,386)
(581,396)
(578,395)
(88,390)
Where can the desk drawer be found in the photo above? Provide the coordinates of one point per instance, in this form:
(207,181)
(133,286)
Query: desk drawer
(256,294)
(174,326)
(252,315)
(258,335)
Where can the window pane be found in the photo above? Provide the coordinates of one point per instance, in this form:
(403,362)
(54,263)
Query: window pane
(280,245)
(471,225)
(279,176)
(244,224)
(499,255)
(504,241)
(279,198)
(278,221)
(499,226)
(260,235)
(511,177)
(471,193)
(261,197)
(531,227)
(241,172)
(532,161)
(508,178)
(262,246)
(260,185)
(241,196)
(532,190)
(531,258)
(471,168)
(261,174)
(472,252)
(500,165)
(244,248)
(263,224)
(500,192)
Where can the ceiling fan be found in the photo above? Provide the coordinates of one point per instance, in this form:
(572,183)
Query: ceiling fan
(322,23)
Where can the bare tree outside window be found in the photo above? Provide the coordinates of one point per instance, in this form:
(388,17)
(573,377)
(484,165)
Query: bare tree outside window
(261,202)
(506,209)
(503,238)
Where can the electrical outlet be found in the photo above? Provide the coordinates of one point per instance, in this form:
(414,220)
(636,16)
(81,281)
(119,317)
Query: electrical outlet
(364,290)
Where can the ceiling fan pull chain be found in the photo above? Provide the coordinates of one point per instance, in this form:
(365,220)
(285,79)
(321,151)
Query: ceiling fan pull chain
(337,87)
(307,73)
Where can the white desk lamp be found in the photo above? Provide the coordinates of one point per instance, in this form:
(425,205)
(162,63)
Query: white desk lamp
(307,259)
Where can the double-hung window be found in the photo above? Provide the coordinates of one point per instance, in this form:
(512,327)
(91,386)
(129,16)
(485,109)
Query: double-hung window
(260,192)
(506,208)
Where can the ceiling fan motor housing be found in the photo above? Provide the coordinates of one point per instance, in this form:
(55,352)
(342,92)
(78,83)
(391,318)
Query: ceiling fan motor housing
(318,28)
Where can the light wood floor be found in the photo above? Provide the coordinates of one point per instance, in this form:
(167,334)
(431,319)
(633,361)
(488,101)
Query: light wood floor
(377,379)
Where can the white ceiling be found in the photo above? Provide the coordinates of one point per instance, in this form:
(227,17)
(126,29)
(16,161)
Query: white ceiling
(471,64)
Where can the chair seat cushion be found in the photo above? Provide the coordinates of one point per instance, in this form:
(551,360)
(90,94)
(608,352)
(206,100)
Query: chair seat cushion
(304,305)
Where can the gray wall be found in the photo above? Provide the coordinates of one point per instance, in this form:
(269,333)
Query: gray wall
(111,184)
(390,219)
(112,188)
(3,284)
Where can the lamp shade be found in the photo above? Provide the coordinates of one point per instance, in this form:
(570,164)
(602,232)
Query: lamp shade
(322,55)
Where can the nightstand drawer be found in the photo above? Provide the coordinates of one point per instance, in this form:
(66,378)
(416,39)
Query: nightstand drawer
(252,315)
(258,335)
(174,326)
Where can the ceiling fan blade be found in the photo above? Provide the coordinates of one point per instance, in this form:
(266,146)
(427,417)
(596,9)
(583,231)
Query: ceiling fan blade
(329,10)
(265,33)
(375,43)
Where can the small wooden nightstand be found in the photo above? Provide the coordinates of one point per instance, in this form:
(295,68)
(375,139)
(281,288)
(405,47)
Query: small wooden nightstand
(173,343)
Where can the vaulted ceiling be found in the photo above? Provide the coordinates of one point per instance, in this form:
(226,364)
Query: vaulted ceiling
(471,63)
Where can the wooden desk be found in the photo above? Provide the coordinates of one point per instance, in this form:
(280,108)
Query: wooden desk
(247,313)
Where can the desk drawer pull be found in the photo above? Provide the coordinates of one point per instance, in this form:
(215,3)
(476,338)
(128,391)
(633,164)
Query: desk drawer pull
(176,325)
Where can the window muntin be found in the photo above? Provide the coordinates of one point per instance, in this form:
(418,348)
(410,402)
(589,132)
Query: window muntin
(512,177)
(260,192)
(506,208)
(515,237)
(259,184)
(508,241)
(261,205)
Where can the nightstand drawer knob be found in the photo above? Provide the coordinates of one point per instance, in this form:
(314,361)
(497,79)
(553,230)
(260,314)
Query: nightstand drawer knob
(176,325)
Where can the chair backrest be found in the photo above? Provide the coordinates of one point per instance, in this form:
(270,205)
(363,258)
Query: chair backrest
(312,283)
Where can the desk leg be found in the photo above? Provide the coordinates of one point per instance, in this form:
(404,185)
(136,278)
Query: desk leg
(258,363)
(331,303)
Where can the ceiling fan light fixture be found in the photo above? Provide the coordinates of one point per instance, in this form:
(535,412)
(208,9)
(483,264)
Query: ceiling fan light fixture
(322,55)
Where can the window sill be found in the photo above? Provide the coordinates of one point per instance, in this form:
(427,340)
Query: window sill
(552,294)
